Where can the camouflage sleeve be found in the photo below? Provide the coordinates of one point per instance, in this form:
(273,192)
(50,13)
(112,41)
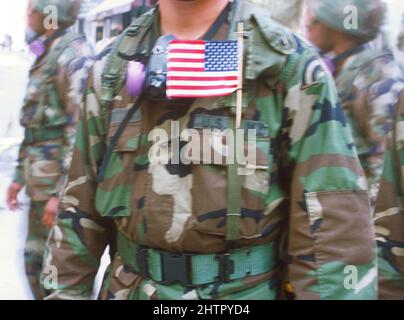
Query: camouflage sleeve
(80,234)
(18,176)
(75,64)
(389,218)
(331,248)
(379,87)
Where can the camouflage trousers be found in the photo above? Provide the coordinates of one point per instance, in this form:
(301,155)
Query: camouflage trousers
(122,284)
(34,247)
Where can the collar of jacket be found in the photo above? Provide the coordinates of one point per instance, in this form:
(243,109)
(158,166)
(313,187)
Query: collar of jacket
(49,43)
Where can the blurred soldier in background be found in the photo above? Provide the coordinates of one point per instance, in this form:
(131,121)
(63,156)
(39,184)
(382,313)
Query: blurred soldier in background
(389,217)
(49,116)
(368,79)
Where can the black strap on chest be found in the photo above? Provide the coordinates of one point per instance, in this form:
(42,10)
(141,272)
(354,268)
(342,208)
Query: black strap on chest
(117,135)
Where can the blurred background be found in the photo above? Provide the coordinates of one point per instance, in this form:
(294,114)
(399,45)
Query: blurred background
(101,21)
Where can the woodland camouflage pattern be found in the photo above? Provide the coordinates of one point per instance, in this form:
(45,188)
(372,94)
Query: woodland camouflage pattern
(308,200)
(369,86)
(389,218)
(43,163)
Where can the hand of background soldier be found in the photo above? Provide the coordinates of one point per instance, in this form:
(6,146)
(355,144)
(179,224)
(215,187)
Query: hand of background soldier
(12,194)
(50,212)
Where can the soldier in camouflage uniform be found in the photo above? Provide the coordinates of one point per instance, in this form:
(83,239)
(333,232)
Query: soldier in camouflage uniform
(49,116)
(368,79)
(389,218)
(200,231)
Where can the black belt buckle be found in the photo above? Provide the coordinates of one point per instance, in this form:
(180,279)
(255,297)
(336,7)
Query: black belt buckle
(226,267)
(142,262)
(176,268)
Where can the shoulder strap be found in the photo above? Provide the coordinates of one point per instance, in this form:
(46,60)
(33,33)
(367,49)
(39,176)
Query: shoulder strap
(128,46)
(277,36)
(267,47)
(268,43)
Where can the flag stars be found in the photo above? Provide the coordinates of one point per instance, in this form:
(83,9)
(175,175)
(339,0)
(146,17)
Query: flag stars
(221,56)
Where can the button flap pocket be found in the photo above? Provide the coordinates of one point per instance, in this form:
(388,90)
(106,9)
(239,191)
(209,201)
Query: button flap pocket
(129,139)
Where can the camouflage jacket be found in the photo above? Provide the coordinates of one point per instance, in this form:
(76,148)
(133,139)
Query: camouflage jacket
(50,113)
(369,85)
(389,218)
(307,197)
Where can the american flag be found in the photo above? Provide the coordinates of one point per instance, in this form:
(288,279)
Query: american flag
(198,68)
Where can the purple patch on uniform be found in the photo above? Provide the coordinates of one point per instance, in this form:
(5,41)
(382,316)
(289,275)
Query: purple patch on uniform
(135,78)
(37,47)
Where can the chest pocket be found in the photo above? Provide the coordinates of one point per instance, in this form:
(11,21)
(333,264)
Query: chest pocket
(210,177)
(30,102)
(129,139)
(43,106)
(50,110)
(113,197)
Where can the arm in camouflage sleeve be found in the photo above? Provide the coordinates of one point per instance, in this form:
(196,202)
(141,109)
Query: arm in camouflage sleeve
(80,235)
(19,170)
(389,218)
(75,64)
(331,249)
